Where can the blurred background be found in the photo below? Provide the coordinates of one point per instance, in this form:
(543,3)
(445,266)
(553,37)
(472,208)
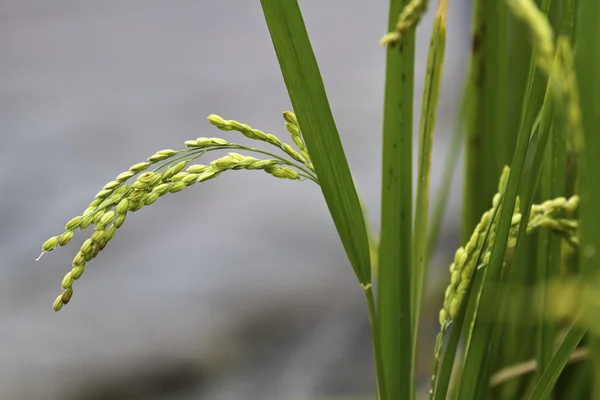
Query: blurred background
(234,289)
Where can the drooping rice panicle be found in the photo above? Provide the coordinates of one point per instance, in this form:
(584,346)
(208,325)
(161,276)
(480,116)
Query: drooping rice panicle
(256,134)
(139,187)
(555,215)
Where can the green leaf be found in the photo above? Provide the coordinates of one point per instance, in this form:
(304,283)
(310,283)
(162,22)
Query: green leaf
(488,140)
(431,93)
(394,300)
(587,66)
(309,100)
(544,385)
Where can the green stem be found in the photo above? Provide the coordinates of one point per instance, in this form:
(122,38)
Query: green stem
(377,353)
(189,154)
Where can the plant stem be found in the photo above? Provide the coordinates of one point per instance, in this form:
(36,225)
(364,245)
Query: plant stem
(394,294)
(382,394)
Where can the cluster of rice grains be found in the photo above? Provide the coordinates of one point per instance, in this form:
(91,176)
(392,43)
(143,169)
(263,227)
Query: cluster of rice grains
(173,173)
(555,215)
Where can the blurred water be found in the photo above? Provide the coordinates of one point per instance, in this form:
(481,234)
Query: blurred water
(234,289)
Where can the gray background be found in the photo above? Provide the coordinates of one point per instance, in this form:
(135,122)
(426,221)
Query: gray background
(234,289)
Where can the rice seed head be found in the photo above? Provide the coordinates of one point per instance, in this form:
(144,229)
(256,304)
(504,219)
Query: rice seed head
(156,179)
(139,167)
(177,187)
(58,303)
(50,244)
(290,173)
(242,128)
(67,281)
(290,118)
(97,216)
(179,167)
(443,317)
(77,271)
(108,217)
(248,131)
(120,220)
(455,278)
(277,172)
(174,170)
(96,247)
(291,125)
(150,198)
(66,296)
(167,152)
(462,286)
(121,190)
(74,223)
(136,194)
(161,155)
(238,157)
(572,204)
(201,142)
(452,268)
(293,130)
(123,206)
(86,247)
(274,140)
(516,220)
(109,233)
(293,153)
(190,179)
(211,174)
(111,200)
(179,176)
(219,122)
(503,178)
(197,169)
(219,141)
(79,259)
(298,141)
(112,185)
(161,189)
(454,307)
(466,272)
(65,238)
(262,164)
(122,177)
(104,193)
(143,180)
(111,204)
(88,211)
(157,157)
(464,265)
(97,236)
(223,163)
(136,205)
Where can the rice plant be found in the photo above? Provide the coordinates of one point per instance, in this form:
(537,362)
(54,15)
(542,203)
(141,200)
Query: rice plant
(518,319)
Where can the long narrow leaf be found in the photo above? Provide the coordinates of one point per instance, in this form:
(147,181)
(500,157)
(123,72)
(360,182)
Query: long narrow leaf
(557,363)
(587,65)
(431,93)
(394,283)
(307,94)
